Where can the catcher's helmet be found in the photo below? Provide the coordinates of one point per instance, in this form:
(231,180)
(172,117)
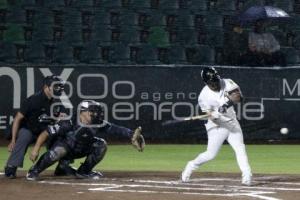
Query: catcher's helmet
(94,108)
(210,75)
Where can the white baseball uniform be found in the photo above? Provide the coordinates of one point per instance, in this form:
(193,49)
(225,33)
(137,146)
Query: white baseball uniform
(220,127)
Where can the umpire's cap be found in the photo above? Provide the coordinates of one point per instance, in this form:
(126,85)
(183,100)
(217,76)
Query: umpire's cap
(49,80)
(210,75)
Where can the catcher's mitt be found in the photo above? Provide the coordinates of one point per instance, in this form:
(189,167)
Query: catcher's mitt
(138,140)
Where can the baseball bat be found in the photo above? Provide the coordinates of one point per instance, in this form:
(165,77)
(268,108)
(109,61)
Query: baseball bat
(197,117)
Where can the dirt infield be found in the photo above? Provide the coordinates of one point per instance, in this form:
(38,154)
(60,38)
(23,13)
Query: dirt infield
(149,186)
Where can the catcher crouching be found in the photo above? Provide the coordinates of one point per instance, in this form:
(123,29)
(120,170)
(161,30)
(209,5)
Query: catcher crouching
(78,138)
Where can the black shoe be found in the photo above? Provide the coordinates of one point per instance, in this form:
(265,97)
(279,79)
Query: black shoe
(32,175)
(64,170)
(91,175)
(10,172)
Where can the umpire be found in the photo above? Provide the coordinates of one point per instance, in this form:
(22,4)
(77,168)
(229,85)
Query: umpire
(27,124)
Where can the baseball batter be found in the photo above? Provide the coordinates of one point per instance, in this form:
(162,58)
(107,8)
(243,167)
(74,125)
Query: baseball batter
(217,98)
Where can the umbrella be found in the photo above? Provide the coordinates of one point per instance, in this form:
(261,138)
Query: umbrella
(261,12)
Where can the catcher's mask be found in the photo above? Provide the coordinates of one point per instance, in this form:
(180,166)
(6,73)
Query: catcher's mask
(211,78)
(95,109)
(57,84)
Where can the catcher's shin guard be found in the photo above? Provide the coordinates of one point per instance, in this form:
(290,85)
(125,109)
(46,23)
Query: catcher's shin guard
(97,154)
(49,158)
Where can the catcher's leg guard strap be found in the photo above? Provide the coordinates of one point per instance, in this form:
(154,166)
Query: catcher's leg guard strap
(97,153)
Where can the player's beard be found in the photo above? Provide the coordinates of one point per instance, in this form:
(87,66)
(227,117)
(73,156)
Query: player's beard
(215,86)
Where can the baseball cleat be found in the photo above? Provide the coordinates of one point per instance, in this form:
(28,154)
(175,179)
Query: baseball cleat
(187,172)
(91,175)
(64,170)
(247,180)
(10,172)
(32,176)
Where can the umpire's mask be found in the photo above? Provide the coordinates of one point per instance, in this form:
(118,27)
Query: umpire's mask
(56,83)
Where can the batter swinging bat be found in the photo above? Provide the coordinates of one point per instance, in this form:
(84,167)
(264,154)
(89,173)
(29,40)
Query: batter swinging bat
(198,117)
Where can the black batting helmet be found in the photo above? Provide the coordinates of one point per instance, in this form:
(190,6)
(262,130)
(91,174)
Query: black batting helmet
(210,75)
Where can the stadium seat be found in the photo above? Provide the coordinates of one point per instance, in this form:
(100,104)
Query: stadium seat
(163,55)
(196,5)
(4,4)
(120,54)
(58,17)
(81,4)
(200,55)
(63,53)
(185,19)
(14,33)
(168,5)
(91,54)
(72,17)
(227,5)
(138,4)
(73,34)
(291,55)
(129,35)
(42,33)
(187,37)
(101,17)
(177,55)
(16,15)
(8,52)
(43,16)
(213,19)
(128,18)
(54,4)
(49,51)
(158,37)
(171,20)
(157,19)
(109,4)
(143,19)
(28,3)
(214,37)
(147,54)
(35,53)
(102,35)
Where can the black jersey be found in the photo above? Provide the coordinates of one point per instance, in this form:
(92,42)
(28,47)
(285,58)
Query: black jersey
(32,108)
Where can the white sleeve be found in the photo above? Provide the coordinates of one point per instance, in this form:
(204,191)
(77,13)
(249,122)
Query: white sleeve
(231,85)
(204,105)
